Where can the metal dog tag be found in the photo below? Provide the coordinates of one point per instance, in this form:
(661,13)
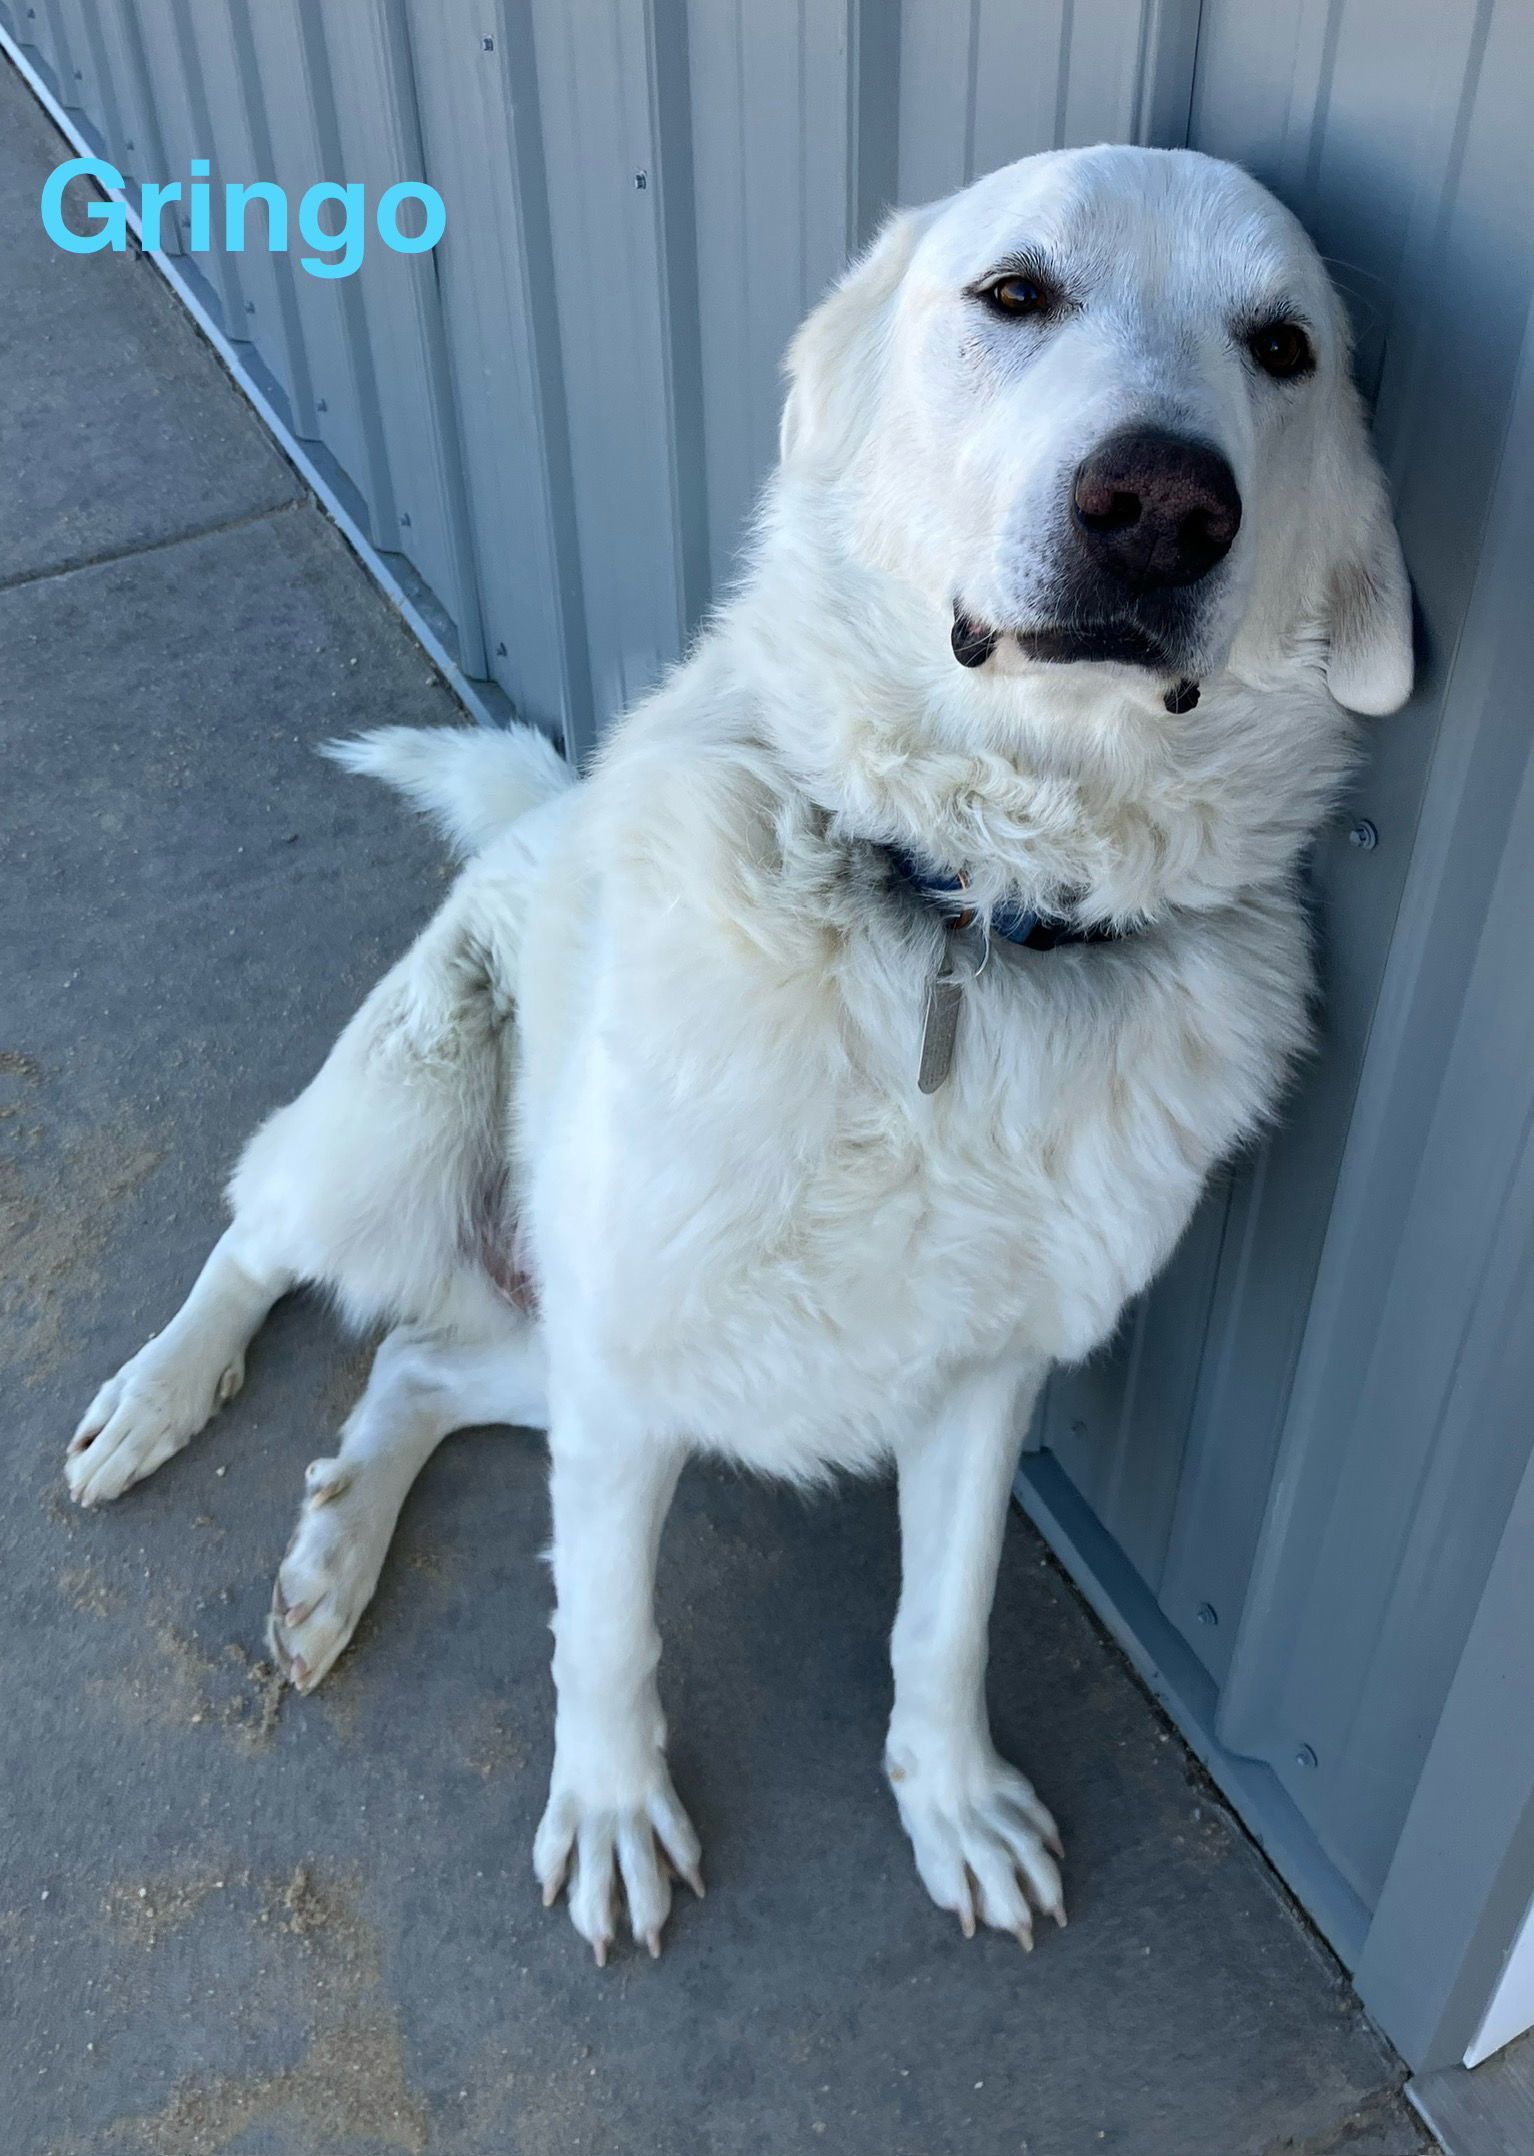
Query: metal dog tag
(958,965)
(945,995)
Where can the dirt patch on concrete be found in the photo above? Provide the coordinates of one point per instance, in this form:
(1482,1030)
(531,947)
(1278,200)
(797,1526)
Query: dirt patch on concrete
(145,1912)
(57,1214)
(85,1589)
(349,2087)
(237,1691)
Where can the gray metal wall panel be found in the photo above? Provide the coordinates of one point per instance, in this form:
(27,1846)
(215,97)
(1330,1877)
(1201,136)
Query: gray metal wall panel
(34,30)
(477,91)
(85,85)
(241,98)
(123,113)
(771,144)
(595,88)
(186,131)
(292,69)
(989,81)
(126,60)
(222,42)
(54,26)
(397,322)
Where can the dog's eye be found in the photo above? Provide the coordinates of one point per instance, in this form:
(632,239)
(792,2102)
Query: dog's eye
(1018,294)
(1281,349)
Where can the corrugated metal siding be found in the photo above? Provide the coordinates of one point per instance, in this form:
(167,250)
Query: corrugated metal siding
(558,422)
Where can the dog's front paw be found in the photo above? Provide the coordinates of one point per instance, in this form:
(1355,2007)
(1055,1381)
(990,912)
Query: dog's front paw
(985,1846)
(155,1404)
(327,1578)
(604,1835)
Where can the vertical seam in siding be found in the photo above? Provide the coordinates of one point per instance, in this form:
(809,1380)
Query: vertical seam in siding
(258,121)
(440,390)
(222,273)
(1063,67)
(545,339)
(681,331)
(377,485)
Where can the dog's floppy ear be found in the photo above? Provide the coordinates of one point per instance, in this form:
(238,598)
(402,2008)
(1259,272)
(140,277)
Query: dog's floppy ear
(829,363)
(1368,603)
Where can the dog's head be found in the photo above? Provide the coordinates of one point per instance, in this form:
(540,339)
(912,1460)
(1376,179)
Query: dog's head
(1098,405)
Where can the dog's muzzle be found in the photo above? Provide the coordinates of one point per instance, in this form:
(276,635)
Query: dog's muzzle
(1149,519)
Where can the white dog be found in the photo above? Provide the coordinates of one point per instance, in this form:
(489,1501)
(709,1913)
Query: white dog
(851,1044)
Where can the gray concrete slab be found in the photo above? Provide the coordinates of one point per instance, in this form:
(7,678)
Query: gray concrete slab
(117,426)
(238,1921)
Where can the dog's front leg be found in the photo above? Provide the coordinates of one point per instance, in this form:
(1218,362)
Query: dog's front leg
(612,1812)
(982,1839)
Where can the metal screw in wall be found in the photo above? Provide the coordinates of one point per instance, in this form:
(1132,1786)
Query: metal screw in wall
(487,44)
(320,405)
(1305,1757)
(404,518)
(1207,1613)
(641,181)
(1363,835)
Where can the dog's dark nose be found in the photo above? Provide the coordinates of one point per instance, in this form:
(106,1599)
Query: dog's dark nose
(1155,509)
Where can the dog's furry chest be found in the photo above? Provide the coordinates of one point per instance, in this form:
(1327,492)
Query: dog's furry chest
(770,1235)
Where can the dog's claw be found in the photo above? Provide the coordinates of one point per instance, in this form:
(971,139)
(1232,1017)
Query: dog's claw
(599,1948)
(967,1913)
(652,1941)
(694,1879)
(1025,1938)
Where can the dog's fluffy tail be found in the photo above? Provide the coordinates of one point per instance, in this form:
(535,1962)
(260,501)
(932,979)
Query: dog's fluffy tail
(472,781)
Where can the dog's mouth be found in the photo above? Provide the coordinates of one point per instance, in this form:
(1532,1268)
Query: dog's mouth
(1120,641)
(1062,643)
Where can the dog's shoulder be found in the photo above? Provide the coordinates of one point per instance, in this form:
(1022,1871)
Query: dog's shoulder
(703,838)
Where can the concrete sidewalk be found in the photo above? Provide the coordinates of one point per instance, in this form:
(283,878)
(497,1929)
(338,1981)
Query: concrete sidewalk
(238,1921)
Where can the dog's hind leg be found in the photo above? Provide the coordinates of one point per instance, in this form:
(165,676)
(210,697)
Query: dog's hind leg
(424,1385)
(368,1184)
(163,1395)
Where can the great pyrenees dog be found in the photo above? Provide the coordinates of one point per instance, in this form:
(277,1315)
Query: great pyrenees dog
(849,1045)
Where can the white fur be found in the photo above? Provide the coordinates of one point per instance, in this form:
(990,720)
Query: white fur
(473,784)
(658,1050)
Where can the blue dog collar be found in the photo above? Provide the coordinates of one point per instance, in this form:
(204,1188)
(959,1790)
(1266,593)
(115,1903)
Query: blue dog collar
(1013,922)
